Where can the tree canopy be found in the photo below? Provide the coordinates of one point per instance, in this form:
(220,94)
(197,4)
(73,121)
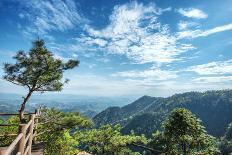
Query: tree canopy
(37,70)
(108,140)
(57,127)
(185,134)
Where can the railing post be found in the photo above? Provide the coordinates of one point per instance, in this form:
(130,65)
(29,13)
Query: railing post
(32,117)
(35,130)
(36,111)
(21,145)
(36,120)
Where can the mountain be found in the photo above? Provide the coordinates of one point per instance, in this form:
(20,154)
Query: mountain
(147,114)
(87,105)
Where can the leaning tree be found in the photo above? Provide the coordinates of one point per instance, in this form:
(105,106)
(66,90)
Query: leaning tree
(37,70)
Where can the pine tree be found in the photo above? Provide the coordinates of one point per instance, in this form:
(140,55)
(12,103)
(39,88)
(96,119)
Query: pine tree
(37,70)
(185,134)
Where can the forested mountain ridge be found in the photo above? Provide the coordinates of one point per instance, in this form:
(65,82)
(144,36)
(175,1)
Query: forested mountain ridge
(120,115)
(146,114)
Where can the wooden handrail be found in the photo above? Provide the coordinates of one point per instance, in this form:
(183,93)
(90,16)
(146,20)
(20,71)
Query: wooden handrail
(27,138)
(23,142)
(32,117)
(27,150)
(28,124)
(13,144)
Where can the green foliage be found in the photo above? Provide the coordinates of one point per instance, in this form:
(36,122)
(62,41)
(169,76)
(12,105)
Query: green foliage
(37,70)
(225,145)
(56,120)
(57,128)
(108,140)
(228,134)
(6,140)
(185,134)
(60,143)
(158,142)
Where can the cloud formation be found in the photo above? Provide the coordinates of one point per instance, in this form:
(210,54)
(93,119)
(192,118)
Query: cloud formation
(135,31)
(151,74)
(214,73)
(213,68)
(51,15)
(200,33)
(185,25)
(192,13)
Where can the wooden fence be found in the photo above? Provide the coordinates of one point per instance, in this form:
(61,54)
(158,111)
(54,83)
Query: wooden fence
(22,144)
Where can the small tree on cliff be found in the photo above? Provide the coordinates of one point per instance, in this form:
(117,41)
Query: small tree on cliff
(38,70)
(185,134)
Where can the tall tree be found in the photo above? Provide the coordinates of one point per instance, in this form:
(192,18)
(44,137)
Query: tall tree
(185,134)
(37,70)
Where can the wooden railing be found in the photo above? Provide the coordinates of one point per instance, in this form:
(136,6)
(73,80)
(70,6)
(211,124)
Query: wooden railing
(22,144)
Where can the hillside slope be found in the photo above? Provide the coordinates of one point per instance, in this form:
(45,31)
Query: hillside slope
(146,114)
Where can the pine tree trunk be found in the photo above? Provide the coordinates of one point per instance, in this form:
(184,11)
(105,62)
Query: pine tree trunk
(23,105)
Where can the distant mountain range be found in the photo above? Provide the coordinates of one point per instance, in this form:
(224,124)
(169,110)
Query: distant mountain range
(147,114)
(87,105)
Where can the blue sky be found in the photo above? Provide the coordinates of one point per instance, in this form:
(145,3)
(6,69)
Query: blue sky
(152,47)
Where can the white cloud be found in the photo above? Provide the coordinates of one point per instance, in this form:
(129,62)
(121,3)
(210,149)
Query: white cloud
(135,31)
(151,74)
(63,58)
(183,25)
(213,68)
(91,41)
(199,33)
(216,30)
(189,34)
(45,15)
(192,13)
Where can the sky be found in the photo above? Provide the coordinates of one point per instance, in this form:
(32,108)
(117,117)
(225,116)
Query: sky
(125,47)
